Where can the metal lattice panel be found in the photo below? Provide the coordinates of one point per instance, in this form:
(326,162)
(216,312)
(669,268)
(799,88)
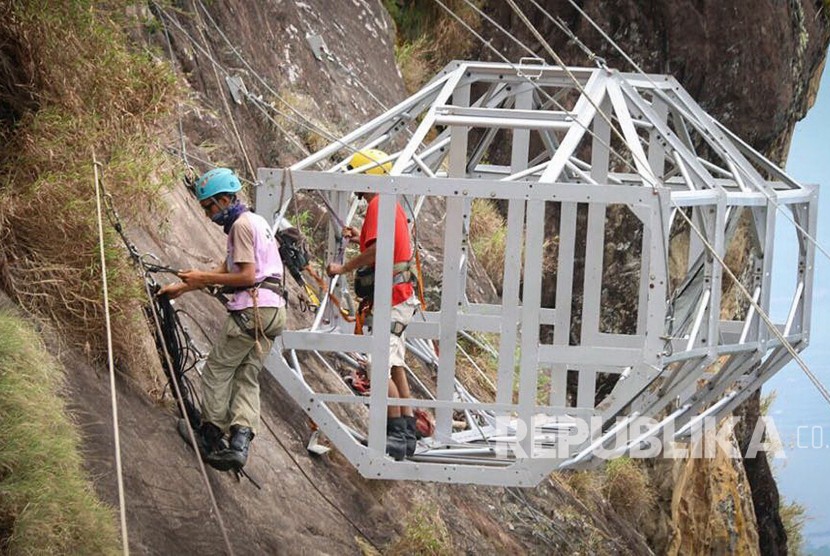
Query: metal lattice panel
(681,361)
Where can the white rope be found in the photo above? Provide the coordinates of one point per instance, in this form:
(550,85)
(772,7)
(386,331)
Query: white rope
(179,398)
(118,471)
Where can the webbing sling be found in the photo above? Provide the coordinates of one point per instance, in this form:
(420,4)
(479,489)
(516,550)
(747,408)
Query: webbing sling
(364,284)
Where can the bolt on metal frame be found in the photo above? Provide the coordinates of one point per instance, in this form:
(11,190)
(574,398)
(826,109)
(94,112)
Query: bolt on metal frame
(684,360)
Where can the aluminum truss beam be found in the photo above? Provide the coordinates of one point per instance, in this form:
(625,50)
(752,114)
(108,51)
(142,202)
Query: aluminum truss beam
(566,385)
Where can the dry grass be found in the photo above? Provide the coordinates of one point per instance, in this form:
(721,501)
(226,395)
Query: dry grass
(47,506)
(428,37)
(488,238)
(479,375)
(425,533)
(90,93)
(627,488)
(585,485)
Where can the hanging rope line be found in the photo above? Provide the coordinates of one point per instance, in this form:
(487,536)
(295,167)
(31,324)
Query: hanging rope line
(180,384)
(319,491)
(772,327)
(110,363)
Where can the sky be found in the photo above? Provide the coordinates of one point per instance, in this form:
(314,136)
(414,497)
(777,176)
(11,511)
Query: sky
(800,413)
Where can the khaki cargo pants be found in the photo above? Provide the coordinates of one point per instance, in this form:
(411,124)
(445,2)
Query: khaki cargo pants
(230,378)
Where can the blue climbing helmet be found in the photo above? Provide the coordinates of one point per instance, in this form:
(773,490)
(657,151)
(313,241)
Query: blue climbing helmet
(218,180)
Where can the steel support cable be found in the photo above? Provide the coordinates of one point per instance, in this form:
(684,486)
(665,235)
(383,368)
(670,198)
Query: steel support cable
(816,382)
(640,70)
(226,106)
(764,316)
(110,363)
(261,104)
(225,72)
(304,120)
(703,239)
(562,26)
(582,91)
(512,37)
(774,329)
(178,104)
(309,124)
(550,98)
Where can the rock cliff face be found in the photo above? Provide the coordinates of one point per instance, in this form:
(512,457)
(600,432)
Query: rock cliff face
(754,65)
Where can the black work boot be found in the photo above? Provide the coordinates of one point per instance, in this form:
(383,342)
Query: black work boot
(234,456)
(208,437)
(396,437)
(211,437)
(240,442)
(411,435)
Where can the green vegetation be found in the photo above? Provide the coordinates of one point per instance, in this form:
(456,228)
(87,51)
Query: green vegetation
(425,533)
(47,506)
(428,37)
(78,90)
(627,488)
(794,516)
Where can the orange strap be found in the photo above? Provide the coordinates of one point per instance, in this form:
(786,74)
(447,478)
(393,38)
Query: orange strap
(420,278)
(363,310)
(323,287)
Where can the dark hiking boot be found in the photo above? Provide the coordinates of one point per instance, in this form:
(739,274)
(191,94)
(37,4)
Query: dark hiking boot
(235,456)
(241,438)
(212,438)
(411,435)
(208,437)
(396,438)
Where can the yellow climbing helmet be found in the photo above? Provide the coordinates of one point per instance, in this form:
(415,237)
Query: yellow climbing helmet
(371,156)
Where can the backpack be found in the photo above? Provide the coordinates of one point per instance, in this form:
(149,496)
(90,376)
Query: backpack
(293,252)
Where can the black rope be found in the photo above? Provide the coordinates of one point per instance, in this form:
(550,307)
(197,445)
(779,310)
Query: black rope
(175,339)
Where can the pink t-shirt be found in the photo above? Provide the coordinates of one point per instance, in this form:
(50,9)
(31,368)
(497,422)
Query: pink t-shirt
(251,241)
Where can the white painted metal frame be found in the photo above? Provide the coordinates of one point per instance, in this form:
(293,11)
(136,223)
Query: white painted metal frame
(669,156)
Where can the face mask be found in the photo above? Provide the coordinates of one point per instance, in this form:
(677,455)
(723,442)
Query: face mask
(228,216)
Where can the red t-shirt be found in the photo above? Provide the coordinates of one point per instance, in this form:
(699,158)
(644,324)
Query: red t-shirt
(403,248)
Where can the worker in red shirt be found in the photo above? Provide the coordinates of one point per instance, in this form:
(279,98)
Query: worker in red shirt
(400,423)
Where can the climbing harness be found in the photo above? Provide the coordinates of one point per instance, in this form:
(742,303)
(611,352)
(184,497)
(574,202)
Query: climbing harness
(178,353)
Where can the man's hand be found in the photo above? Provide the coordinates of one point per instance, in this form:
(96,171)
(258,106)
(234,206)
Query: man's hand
(173,290)
(352,234)
(195,279)
(333,269)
